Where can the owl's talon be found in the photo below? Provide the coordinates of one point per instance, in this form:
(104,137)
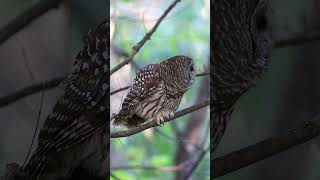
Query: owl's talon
(160,121)
(171,115)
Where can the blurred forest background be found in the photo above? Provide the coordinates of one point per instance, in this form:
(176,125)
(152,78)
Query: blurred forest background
(286,96)
(43,50)
(166,152)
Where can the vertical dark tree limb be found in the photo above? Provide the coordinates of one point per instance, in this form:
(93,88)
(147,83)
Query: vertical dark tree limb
(192,133)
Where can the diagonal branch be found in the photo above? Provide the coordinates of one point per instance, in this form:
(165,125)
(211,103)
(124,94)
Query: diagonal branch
(15,96)
(264,149)
(122,53)
(151,124)
(298,40)
(127,87)
(119,90)
(50,84)
(196,163)
(160,168)
(26,18)
(138,46)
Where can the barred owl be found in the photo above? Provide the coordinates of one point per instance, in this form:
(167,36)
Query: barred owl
(156,92)
(74,133)
(241,45)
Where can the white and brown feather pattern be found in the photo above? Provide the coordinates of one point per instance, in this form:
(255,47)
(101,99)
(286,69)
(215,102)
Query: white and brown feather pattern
(144,85)
(156,92)
(151,105)
(85,93)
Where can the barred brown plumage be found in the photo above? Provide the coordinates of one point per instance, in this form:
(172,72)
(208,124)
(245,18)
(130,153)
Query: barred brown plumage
(156,92)
(241,44)
(73,134)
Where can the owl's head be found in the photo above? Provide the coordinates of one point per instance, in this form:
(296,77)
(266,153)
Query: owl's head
(180,69)
(260,29)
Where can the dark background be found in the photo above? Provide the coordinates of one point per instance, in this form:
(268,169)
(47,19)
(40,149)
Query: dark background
(43,50)
(285,97)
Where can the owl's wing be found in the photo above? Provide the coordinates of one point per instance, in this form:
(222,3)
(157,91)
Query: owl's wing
(85,93)
(145,83)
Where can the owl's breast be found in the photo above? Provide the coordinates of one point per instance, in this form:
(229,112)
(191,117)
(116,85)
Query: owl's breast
(160,104)
(150,106)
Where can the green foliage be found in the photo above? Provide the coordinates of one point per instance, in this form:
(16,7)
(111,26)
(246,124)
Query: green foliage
(184,31)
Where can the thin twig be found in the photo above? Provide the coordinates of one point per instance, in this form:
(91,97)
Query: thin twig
(15,96)
(163,168)
(178,139)
(151,124)
(118,90)
(115,177)
(37,125)
(27,63)
(26,18)
(196,163)
(127,87)
(297,40)
(203,74)
(264,149)
(33,89)
(206,134)
(138,46)
(122,53)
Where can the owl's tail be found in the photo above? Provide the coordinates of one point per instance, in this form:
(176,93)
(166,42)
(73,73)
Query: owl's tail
(130,122)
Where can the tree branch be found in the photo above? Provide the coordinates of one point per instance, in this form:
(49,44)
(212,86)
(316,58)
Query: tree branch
(138,46)
(160,168)
(122,53)
(15,96)
(298,40)
(118,90)
(115,177)
(264,149)
(127,87)
(33,89)
(196,163)
(151,124)
(26,18)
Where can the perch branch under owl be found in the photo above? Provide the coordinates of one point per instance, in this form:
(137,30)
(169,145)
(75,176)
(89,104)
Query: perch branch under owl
(151,124)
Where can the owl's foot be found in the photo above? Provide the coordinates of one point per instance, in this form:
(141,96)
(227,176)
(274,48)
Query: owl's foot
(160,120)
(171,115)
(113,116)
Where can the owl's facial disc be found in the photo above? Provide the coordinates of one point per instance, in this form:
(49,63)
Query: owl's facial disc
(191,73)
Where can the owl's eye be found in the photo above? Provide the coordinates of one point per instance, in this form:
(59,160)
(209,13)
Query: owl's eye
(261,22)
(191,68)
